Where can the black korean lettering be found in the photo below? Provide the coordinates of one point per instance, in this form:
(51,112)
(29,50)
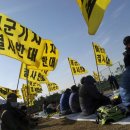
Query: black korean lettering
(97,48)
(76,63)
(8,28)
(72,63)
(32,53)
(20,48)
(2,42)
(74,70)
(30,83)
(24,33)
(3,91)
(46,48)
(43,78)
(26,72)
(44,61)
(53,48)
(82,1)
(103,58)
(102,50)
(52,61)
(39,77)
(36,38)
(89,7)
(107,60)
(33,75)
(11,46)
(99,58)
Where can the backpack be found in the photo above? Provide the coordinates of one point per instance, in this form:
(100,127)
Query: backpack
(109,113)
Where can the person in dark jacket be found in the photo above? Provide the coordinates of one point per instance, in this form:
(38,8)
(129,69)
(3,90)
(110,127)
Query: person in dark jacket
(90,98)
(64,102)
(125,80)
(12,118)
(113,82)
(74,100)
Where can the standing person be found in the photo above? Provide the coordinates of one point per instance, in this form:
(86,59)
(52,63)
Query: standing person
(64,102)
(113,82)
(125,81)
(12,118)
(74,100)
(90,98)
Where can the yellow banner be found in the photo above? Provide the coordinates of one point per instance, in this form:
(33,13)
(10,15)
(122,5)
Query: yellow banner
(52,87)
(96,76)
(49,58)
(33,75)
(4,92)
(28,96)
(19,42)
(37,87)
(93,12)
(100,54)
(76,68)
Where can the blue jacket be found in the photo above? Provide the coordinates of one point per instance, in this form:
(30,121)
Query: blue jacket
(64,102)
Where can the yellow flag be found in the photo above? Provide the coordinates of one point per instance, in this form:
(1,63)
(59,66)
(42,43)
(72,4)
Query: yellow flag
(93,12)
(76,68)
(28,96)
(37,87)
(49,58)
(4,92)
(96,76)
(19,42)
(100,54)
(52,87)
(33,75)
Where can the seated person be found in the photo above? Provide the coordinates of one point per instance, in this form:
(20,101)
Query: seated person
(51,108)
(64,102)
(13,118)
(90,98)
(74,100)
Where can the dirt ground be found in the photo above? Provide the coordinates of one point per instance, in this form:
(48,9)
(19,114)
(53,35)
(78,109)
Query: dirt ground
(65,124)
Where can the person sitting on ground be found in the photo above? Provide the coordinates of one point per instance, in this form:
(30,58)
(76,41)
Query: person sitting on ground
(51,108)
(90,98)
(125,80)
(74,100)
(12,118)
(64,102)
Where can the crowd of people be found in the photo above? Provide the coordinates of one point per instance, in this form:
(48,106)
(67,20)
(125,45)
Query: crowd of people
(84,98)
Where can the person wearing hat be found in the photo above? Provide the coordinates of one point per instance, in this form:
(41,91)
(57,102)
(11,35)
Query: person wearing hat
(12,118)
(90,98)
(125,79)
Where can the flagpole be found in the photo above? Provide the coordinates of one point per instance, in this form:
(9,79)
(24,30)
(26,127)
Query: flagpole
(27,90)
(110,70)
(71,72)
(19,77)
(96,65)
